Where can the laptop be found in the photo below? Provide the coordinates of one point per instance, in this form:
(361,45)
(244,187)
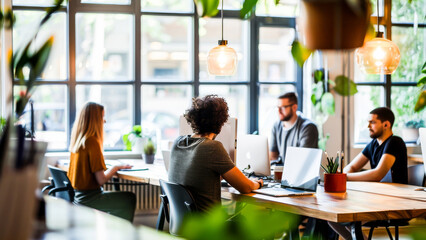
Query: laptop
(252,155)
(300,174)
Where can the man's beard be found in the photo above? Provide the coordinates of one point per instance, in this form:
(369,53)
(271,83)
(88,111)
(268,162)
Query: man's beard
(376,134)
(288,117)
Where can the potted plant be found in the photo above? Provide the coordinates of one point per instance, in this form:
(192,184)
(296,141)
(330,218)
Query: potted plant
(133,140)
(410,132)
(333,180)
(149,151)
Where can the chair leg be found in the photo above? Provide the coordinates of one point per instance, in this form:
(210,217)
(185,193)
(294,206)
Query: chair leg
(370,233)
(116,184)
(396,233)
(389,233)
(161,217)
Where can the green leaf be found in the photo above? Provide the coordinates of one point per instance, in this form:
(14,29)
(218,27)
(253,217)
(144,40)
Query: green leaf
(313,99)
(247,9)
(318,76)
(424,67)
(421,102)
(342,85)
(325,170)
(137,130)
(300,53)
(209,7)
(39,62)
(50,10)
(277,2)
(421,80)
(327,103)
(127,143)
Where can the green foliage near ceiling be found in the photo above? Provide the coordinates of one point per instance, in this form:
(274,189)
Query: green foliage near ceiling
(208,8)
(344,86)
(300,53)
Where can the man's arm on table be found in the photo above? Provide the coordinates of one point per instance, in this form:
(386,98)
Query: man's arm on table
(372,175)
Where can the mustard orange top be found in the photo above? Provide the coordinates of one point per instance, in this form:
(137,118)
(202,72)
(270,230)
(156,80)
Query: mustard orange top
(83,165)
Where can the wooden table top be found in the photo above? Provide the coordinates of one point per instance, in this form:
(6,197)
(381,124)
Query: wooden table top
(389,189)
(338,207)
(67,221)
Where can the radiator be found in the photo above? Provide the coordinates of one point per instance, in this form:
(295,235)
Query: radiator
(147,196)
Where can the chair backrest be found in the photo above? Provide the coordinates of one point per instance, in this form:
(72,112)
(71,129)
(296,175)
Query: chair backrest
(62,183)
(416,175)
(180,203)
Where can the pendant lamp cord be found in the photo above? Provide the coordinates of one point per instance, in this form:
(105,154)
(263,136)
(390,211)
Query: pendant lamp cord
(222,19)
(378,18)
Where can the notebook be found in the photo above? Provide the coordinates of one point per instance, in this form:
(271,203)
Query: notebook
(252,155)
(300,174)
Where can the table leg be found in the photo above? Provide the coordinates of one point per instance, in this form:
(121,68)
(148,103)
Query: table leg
(356,231)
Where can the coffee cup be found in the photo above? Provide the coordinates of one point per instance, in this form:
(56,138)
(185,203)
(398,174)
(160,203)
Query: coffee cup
(278,173)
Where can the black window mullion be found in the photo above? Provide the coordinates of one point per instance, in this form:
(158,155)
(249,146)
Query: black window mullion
(71,66)
(137,63)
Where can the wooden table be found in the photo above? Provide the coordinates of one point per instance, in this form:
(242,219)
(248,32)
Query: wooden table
(67,221)
(353,206)
(389,189)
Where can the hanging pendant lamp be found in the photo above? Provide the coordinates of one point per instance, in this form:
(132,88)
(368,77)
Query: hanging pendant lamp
(379,55)
(222,60)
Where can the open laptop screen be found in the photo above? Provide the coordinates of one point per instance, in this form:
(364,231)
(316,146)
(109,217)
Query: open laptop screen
(301,168)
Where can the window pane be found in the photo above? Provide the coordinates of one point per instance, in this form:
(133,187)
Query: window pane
(104,47)
(118,102)
(50,114)
(167,5)
(402,102)
(230,5)
(35,2)
(268,113)
(236,32)
(161,108)
(236,97)
(283,9)
(412,45)
(276,63)
(366,99)
(404,11)
(166,48)
(122,2)
(25,29)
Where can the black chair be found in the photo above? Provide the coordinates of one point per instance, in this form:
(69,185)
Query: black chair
(60,184)
(180,202)
(416,176)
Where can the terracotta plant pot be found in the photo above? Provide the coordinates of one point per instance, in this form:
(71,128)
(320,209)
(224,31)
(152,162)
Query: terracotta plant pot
(335,182)
(334,24)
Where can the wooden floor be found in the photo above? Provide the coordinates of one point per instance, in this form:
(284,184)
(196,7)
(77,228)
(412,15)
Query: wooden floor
(150,219)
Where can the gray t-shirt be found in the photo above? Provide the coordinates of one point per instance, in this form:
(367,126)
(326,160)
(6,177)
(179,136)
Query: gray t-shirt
(197,164)
(303,133)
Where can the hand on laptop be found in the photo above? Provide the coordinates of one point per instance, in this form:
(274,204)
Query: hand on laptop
(123,166)
(260,181)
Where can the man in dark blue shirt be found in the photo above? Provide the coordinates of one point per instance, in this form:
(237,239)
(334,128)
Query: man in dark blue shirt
(386,153)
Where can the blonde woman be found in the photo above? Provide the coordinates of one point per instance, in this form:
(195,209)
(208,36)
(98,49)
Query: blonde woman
(87,171)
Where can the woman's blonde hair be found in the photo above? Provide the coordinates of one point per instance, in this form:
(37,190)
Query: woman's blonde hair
(89,122)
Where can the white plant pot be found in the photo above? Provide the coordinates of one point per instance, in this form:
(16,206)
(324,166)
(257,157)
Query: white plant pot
(137,145)
(410,134)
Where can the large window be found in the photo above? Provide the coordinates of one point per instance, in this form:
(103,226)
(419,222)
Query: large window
(144,60)
(406,27)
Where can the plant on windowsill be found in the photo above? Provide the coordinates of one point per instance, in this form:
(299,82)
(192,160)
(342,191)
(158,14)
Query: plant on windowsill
(334,181)
(133,140)
(421,82)
(410,132)
(149,151)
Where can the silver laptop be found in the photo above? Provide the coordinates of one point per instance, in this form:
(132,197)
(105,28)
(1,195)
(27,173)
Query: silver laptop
(252,155)
(300,174)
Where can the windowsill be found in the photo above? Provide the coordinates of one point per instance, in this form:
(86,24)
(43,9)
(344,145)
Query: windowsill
(107,155)
(362,145)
